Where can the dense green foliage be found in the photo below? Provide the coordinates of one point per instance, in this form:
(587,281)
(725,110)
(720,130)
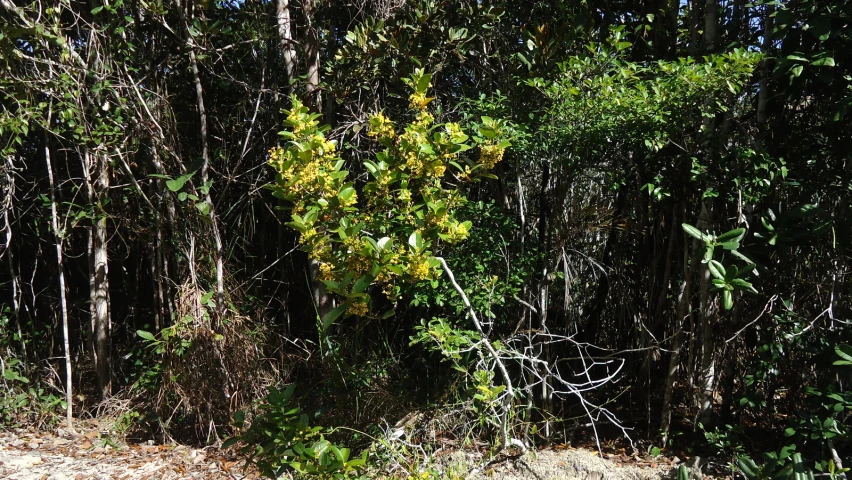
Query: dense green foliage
(468,220)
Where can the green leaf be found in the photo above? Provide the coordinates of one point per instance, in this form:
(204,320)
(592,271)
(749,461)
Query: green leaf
(423,82)
(146,335)
(743,258)
(692,231)
(748,467)
(708,253)
(823,62)
(333,315)
(743,285)
(346,194)
(728,299)
(732,236)
(845,353)
(796,71)
(230,442)
(416,241)
(175,184)
(362,283)
(203,208)
(716,269)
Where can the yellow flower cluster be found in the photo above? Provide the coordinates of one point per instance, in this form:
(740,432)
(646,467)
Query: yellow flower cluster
(308,236)
(438,169)
(358,309)
(456,231)
(300,121)
(304,177)
(358,265)
(276,158)
(326,272)
(424,119)
(381,127)
(407,183)
(419,269)
(418,100)
(454,131)
(491,155)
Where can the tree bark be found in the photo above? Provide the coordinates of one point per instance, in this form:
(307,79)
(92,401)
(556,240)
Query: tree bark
(63,304)
(9,198)
(682,313)
(205,169)
(96,173)
(312,58)
(285,40)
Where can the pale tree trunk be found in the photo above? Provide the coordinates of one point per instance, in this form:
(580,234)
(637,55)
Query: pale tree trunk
(312,59)
(63,305)
(205,156)
(205,167)
(96,176)
(707,371)
(9,199)
(285,40)
(100,277)
(286,27)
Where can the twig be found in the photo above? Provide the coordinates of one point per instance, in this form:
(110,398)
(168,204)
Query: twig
(509,398)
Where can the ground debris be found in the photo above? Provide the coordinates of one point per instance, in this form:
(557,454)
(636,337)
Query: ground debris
(40,456)
(562,464)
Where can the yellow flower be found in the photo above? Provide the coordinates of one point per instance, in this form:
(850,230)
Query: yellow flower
(419,269)
(491,155)
(424,119)
(358,309)
(325,271)
(455,132)
(461,231)
(418,101)
(439,169)
(381,127)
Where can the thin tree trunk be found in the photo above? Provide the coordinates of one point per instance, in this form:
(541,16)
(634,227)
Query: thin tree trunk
(63,305)
(96,182)
(667,273)
(285,39)
(9,186)
(680,316)
(312,59)
(100,278)
(205,168)
(707,372)
(711,20)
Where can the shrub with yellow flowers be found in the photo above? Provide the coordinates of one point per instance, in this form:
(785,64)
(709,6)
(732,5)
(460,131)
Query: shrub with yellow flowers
(385,236)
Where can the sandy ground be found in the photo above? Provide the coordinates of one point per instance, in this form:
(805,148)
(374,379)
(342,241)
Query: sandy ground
(567,464)
(39,456)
